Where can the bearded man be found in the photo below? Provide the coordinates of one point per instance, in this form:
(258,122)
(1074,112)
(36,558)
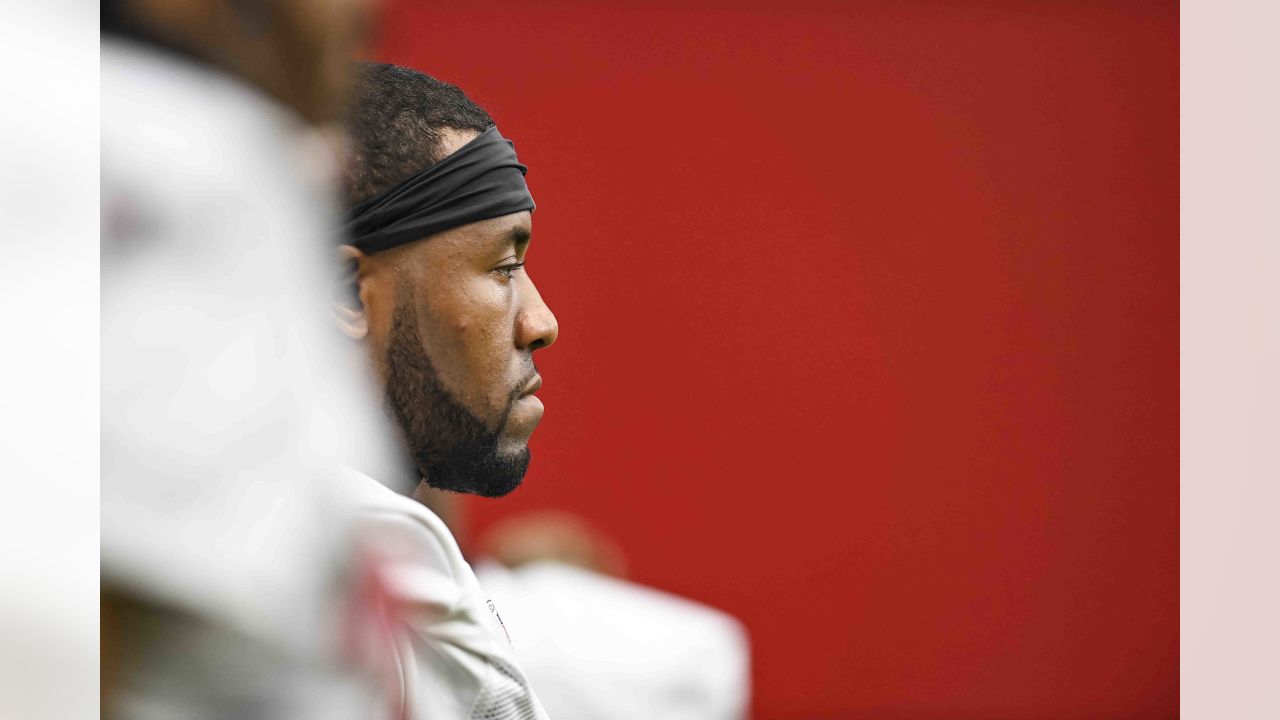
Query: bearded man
(436,291)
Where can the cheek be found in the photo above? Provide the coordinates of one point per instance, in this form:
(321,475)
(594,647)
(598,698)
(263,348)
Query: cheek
(487,350)
(484,318)
(472,348)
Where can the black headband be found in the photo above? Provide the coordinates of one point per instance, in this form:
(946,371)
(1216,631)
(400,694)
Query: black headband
(481,180)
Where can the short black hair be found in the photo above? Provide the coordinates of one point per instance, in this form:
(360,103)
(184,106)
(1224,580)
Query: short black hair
(394,125)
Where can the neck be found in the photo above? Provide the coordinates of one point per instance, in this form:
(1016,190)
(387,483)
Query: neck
(444,504)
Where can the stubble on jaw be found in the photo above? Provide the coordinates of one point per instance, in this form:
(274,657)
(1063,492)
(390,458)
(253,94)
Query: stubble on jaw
(454,450)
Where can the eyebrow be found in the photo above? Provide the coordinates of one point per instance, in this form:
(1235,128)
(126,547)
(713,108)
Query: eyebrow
(520,235)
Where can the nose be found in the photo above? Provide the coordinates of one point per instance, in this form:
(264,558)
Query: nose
(536,325)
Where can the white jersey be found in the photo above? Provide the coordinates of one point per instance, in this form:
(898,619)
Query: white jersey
(455,657)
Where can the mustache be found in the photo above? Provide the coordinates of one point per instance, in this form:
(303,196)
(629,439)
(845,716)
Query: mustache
(515,395)
(523,382)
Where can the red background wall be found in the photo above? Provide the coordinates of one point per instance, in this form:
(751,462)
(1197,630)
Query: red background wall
(869,325)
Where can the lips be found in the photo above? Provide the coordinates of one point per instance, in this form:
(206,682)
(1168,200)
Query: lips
(532,386)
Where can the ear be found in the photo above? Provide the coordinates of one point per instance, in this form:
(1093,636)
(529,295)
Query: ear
(345,301)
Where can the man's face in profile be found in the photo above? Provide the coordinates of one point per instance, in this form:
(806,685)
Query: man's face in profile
(455,346)
(451,323)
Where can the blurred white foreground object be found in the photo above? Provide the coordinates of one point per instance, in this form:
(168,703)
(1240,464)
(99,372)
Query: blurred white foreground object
(599,647)
(223,563)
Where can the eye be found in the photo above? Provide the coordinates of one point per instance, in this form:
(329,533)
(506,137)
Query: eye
(508,270)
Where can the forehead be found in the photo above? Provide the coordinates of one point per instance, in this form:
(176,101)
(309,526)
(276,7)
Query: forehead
(479,239)
(497,233)
(452,139)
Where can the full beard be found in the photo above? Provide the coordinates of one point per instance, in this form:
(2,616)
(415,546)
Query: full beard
(453,449)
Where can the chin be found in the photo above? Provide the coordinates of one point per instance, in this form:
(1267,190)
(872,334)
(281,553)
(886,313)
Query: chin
(495,473)
(511,449)
(498,491)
